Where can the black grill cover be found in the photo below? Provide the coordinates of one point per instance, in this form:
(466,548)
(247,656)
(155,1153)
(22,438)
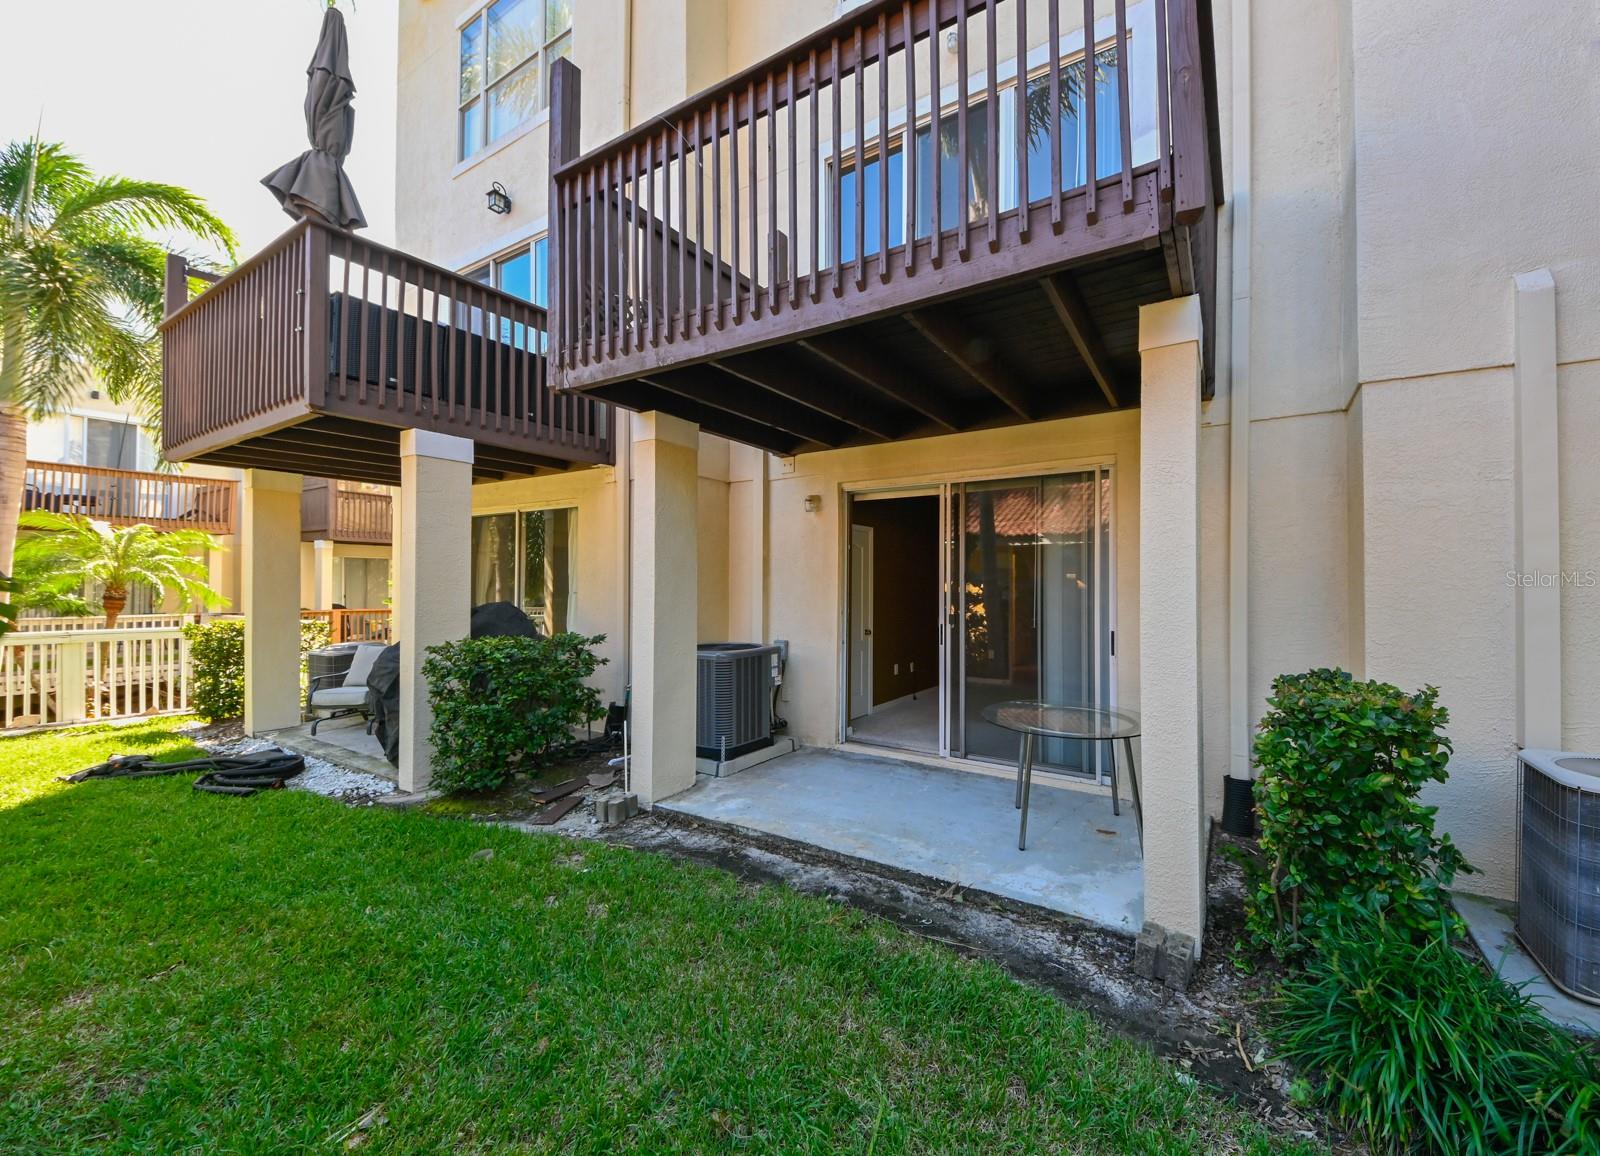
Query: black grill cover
(501,619)
(383,701)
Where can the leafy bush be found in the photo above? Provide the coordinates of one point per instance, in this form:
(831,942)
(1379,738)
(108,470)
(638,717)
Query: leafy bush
(1341,764)
(216,657)
(1418,1047)
(315,633)
(504,704)
(216,667)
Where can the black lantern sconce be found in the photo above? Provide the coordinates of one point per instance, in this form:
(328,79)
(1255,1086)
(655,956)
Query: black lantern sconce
(499,199)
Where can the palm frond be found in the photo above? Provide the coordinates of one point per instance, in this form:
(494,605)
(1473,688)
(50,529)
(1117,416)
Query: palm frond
(119,557)
(126,205)
(34,175)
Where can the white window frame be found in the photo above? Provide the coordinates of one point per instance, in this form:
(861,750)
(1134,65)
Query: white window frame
(466,151)
(495,261)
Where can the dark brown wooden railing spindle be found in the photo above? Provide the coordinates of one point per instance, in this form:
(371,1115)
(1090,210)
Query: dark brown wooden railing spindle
(1024,194)
(1087,131)
(1054,7)
(663,216)
(992,142)
(936,140)
(717,315)
(699,225)
(883,147)
(342,337)
(908,144)
(385,354)
(836,178)
(733,210)
(1124,108)
(683,228)
(963,75)
(794,206)
(861,161)
(813,182)
(756,245)
(1163,114)
(774,292)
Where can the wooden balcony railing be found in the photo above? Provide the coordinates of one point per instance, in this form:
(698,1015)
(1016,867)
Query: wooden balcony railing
(878,166)
(342,512)
(313,355)
(372,625)
(131,497)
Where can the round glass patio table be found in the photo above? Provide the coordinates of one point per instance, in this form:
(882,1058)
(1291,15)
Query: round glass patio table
(1035,720)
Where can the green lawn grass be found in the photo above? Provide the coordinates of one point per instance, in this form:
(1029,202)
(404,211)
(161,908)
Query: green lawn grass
(188,972)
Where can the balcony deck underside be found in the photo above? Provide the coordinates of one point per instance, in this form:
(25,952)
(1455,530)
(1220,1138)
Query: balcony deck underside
(357,450)
(933,354)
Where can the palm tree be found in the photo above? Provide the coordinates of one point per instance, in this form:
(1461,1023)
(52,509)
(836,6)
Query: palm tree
(168,561)
(80,292)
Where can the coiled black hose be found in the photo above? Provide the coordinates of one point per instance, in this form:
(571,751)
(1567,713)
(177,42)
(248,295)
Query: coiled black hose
(224,774)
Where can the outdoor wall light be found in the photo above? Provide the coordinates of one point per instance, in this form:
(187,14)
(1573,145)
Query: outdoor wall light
(499,199)
(813,503)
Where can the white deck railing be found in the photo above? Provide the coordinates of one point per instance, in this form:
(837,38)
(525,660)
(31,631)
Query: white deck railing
(77,675)
(98,622)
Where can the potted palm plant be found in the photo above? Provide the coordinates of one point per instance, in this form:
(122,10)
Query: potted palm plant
(74,548)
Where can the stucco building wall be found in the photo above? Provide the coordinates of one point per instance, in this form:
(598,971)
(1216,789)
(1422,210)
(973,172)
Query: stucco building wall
(1399,175)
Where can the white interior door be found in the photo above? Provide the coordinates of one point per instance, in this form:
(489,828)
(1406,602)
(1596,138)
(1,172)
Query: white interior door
(860,621)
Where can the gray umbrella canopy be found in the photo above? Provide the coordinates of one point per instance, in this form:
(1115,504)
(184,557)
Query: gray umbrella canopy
(314,183)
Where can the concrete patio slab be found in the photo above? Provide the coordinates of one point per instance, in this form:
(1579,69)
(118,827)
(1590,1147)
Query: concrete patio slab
(1492,925)
(945,824)
(341,741)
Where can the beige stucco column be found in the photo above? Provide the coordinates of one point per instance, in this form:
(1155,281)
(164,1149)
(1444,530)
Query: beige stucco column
(432,577)
(269,595)
(322,574)
(665,604)
(1169,616)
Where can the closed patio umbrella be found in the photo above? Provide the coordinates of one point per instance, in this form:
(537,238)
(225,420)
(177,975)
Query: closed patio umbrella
(314,183)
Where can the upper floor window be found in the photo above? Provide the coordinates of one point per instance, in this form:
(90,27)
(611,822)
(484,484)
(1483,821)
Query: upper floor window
(965,189)
(506,53)
(523,272)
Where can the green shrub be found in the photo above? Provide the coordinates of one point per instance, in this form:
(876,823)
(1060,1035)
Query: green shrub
(505,704)
(315,633)
(1419,1048)
(216,667)
(216,657)
(1341,764)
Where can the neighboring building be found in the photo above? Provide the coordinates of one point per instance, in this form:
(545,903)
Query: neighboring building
(346,534)
(1308,383)
(96,458)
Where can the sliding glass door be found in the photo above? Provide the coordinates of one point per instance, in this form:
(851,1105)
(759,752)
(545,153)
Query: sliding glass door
(1031,606)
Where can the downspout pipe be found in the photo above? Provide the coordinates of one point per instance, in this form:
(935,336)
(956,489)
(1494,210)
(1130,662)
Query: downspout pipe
(1240,767)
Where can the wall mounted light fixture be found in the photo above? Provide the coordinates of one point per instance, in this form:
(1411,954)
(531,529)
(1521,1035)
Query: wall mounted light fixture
(813,503)
(499,199)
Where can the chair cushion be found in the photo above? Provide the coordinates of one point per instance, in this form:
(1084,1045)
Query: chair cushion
(339,697)
(361,665)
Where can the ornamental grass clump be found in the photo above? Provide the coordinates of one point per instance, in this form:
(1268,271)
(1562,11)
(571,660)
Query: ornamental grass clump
(506,704)
(1418,1048)
(1341,764)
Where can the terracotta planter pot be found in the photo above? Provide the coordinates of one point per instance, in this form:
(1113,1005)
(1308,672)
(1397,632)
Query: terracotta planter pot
(113,605)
